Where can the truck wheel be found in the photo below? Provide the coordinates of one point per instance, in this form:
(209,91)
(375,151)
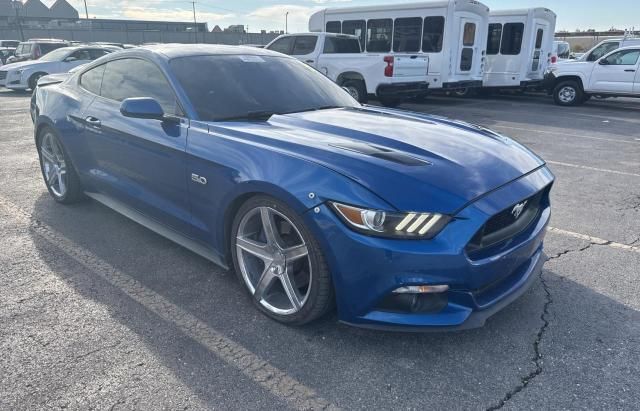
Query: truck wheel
(357,89)
(568,93)
(390,101)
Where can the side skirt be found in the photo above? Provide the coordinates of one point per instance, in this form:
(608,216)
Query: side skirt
(160,229)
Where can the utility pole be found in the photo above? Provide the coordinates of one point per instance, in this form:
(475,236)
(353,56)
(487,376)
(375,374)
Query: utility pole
(195,23)
(86,10)
(286,23)
(17,6)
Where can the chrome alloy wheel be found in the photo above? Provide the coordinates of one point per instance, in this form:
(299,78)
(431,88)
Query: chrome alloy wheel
(274,260)
(567,94)
(54,167)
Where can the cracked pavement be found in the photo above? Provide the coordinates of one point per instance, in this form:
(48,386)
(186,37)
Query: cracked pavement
(98,312)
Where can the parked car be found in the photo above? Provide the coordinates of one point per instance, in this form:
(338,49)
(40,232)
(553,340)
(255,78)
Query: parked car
(615,74)
(5,54)
(25,75)
(391,79)
(519,48)
(12,44)
(36,48)
(607,46)
(451,33)
(405,220)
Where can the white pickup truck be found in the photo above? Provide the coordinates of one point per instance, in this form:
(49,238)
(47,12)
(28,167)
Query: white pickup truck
(616,74)
(392,78)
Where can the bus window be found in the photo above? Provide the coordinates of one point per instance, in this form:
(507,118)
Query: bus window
(357,28)
(432,34)
(379,33)
(406,34)
(493,41)
(512,39)
(334,27)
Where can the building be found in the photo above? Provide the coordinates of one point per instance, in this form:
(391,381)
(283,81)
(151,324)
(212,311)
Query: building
(235,28)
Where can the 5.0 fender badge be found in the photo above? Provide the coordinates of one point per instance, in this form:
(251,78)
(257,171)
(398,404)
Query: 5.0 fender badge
(198,179)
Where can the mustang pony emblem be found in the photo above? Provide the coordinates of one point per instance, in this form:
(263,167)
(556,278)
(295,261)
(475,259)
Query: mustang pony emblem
(518,209)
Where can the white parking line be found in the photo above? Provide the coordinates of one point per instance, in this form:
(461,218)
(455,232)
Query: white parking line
(604,170)
(613,140)
(272,379)
(594,240)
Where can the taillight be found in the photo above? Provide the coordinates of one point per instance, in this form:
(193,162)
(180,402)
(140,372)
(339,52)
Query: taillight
(554,59)
(388,71)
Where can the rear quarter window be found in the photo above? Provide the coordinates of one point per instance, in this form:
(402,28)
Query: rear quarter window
(92,79)
(337,45)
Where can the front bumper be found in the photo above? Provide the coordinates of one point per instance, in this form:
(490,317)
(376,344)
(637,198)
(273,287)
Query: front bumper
(366,269)
(403,90)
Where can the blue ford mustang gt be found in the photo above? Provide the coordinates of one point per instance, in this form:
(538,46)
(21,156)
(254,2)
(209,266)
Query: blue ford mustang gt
(257,162)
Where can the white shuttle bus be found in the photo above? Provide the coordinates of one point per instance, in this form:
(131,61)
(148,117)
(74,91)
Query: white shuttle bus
(452,33)
(519,47)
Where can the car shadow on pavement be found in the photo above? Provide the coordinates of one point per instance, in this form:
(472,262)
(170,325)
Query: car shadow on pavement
(348,367)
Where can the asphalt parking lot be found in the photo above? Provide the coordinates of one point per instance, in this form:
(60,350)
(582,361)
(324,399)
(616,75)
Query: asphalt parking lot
(98,312)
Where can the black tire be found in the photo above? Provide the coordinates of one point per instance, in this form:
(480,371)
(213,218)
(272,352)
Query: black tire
(33,80)
(463,92)
(321,293)
(390,102)
(568,93)
(74,192)
(357,89)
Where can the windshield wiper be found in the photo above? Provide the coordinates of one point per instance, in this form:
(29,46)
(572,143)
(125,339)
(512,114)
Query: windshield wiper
(313,109)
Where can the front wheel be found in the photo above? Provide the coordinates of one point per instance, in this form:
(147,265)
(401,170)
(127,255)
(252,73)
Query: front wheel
(33,80)
(279,261)
(59,174)
(357,89)
(568,93)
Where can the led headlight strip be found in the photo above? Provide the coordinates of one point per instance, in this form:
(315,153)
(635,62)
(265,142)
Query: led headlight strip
(391,224)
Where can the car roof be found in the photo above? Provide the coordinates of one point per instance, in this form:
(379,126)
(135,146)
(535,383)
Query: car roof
(171,51)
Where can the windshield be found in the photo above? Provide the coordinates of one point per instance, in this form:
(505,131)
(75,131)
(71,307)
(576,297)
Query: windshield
(55,55)
(24,48)
(225,87)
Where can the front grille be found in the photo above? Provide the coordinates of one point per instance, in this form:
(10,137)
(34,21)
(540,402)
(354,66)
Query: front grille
(509,222)
(3,75)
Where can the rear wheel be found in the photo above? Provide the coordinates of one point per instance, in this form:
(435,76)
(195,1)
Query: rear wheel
(59,175)
(568,93)
(357,89)
(390,101)
(279,261)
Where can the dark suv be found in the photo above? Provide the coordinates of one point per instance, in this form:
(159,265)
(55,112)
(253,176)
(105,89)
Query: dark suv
(35,48)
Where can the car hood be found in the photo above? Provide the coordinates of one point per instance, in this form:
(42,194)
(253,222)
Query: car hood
(572,64)
(21,65)
(415,162)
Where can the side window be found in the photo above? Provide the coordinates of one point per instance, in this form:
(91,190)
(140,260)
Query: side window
(80,55)
(493,41)
(406,34)
(337,45)
(92,79)
(304,45)
(539,37)
(512,39)
(469,35)
(432,34)
(127,78)
(334,27)
(97,53)
(356,28)
(602,50)
(283,45)
(379,33)
(623,58)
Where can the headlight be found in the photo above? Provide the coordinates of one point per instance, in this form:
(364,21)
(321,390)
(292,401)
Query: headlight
(391,224)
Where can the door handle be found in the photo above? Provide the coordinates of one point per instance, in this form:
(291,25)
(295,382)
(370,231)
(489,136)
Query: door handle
(92,121)
(309,61)
(630,71)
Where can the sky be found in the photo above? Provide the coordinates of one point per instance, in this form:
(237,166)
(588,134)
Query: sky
(270,14)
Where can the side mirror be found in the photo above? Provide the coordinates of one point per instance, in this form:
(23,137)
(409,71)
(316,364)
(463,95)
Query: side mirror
(142,107)
(603,62)
(70,59)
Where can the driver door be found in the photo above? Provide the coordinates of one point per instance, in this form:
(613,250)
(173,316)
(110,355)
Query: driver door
(616,72)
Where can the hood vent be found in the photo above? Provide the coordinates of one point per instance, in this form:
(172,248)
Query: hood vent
(382,153)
